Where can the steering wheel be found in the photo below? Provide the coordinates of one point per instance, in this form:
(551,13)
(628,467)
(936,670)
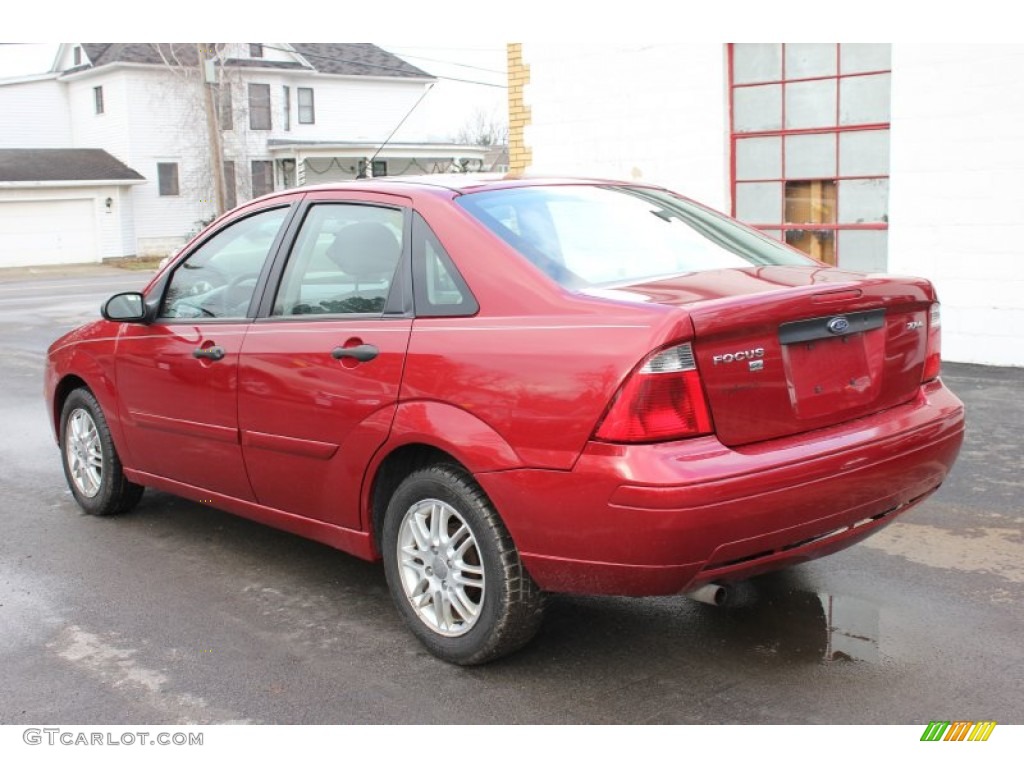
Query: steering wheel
(237,293)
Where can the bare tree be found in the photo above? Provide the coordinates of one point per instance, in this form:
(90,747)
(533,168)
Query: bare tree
(200,101)
(484,129)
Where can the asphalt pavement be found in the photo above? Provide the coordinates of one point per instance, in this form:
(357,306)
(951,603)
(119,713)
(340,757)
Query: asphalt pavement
(178,613)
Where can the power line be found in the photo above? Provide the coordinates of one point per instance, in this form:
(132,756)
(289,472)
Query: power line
(453,63)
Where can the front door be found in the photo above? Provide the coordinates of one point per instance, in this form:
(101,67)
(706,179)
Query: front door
(178,377)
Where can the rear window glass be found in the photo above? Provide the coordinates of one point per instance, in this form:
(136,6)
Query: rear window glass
(601,236)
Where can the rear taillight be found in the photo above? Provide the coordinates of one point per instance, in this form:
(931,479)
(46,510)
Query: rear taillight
(933,352)
(661,400)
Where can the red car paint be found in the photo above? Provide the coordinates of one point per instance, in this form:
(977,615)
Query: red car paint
(833,440)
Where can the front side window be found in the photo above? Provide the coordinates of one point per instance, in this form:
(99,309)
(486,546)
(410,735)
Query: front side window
(306,111)
(344,261)
(218,280)
(97,97)
(259,107)
(603,236)
(167,178)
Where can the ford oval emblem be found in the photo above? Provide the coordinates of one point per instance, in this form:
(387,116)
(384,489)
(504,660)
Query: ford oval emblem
(838,325)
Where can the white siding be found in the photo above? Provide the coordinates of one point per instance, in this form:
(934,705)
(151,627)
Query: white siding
(653,113)
(346,109)
(956,205)
(167,124)
(34,115)
(108,130)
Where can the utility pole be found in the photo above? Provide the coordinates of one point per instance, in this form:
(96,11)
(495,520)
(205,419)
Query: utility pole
(207,80)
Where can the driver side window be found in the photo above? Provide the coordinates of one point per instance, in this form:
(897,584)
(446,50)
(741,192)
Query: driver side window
(218,280)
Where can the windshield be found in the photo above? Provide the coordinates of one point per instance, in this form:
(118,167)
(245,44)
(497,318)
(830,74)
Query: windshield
(602,236)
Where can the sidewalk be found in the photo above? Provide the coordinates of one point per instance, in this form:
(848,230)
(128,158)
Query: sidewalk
(55,271)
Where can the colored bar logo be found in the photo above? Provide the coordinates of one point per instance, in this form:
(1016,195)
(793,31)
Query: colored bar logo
(959,730)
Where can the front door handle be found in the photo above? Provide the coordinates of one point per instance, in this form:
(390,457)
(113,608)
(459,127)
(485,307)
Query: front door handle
(363,353)
(209,353)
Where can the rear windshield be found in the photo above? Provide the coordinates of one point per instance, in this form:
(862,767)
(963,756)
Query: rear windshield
(603,236)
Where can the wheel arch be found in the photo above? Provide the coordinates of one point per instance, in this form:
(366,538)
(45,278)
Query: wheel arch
(427,432)
(68,384)
(78,369)
(395,467)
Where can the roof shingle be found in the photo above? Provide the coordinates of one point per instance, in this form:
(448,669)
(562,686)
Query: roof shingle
(360,59)
(63,165)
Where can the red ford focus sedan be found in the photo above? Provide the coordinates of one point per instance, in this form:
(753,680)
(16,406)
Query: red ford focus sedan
(503,388)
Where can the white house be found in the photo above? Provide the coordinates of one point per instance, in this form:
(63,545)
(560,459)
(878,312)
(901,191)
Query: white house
(269,115)
(890,158)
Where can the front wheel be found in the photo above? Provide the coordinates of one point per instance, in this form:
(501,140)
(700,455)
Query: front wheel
(453,570)
(91,464)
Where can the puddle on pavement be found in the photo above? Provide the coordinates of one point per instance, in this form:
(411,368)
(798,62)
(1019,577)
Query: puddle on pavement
(797,624)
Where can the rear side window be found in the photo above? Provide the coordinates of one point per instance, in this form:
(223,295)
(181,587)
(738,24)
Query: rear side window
(587,236)
(344,261)
(438,288)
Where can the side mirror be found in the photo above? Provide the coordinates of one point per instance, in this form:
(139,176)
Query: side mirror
(125,308)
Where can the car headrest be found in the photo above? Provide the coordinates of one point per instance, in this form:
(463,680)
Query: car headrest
(366,249)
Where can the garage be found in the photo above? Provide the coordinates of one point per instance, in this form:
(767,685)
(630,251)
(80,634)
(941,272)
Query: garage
(38,232)
(64,206)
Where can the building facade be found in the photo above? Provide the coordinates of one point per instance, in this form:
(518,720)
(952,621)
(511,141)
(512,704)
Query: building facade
(875,157)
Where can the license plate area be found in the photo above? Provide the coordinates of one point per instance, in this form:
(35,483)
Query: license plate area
(834,375)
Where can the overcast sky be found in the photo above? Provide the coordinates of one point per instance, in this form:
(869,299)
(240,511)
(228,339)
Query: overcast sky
(448,106)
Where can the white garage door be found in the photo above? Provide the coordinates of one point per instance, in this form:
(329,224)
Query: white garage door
(47,232)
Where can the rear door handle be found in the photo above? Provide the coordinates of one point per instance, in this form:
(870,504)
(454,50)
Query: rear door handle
(363,353)
(210,353)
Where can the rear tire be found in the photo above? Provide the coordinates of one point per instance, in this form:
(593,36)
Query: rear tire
(91,464)
(453,571)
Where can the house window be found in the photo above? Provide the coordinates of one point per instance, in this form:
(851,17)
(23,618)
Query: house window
(97,97)
(259,107)
(77,55)
(225,109)
(287,92)
(380,168)
(230,190)
(167,175)
(306,113)
(810,147)
(255,50)
(262,177)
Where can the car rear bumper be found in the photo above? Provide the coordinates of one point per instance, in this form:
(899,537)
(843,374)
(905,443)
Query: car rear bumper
(663,518)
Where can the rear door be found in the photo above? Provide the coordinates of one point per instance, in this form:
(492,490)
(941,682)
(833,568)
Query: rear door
(321,368)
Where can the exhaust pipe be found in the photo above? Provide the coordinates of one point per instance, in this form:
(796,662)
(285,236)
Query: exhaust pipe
(712,594)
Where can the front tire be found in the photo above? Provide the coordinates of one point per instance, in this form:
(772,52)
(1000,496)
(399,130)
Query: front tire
(453,571)
(91,464)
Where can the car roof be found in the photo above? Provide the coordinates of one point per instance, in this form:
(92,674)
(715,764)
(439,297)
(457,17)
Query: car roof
(460,182)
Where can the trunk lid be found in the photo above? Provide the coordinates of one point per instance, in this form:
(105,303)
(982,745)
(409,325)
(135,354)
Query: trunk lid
(787,349)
